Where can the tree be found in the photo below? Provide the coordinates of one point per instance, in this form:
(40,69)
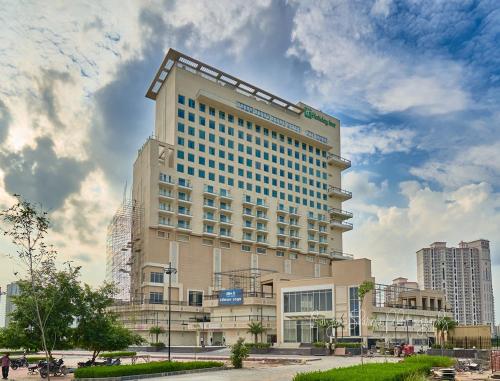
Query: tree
(157,331)
(239,352)
(335,325)
(443,326)
(54,293)
(97,328)
(255,328)
(363,289)
(26,225)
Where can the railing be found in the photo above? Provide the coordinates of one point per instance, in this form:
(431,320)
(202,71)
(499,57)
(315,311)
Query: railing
(248,294)
(340,211)
(341,223)
(184,183)
(340,254)
(339,190)
(338,158)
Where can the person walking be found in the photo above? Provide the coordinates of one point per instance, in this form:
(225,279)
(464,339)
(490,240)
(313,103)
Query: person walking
(5,366)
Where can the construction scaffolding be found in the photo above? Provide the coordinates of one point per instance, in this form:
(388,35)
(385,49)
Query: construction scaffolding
(119,248)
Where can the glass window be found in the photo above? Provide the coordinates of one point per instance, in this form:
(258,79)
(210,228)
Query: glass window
(181,99)
(180,127)
(202,107)
(195,298)
(156,297)
(180,113)
(156,277)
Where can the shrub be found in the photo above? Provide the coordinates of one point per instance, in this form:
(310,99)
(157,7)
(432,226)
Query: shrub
(319,344)
(148,368)
(410,367)
(158,345)
(117,354)
(257,345)
(239,352)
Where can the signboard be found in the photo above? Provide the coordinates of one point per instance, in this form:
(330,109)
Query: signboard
(311,114)
(283,123)
(231,297)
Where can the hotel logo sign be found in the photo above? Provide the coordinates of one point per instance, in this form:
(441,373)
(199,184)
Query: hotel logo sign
(231,297)
(309,113)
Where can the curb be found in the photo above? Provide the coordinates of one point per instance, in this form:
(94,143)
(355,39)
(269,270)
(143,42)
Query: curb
(153,375)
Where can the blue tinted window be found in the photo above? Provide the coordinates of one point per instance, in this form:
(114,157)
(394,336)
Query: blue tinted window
(201,172)
(180,168)
(191,131)
(201,160)
(191,171)
(180,154)
(202,107)
(180,141)
(201,147)
(180,127)
(211,124)
(191,117)
(180,113)
(191,103)
(181,99)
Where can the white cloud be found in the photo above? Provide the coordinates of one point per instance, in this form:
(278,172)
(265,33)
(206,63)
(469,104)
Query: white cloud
(392,235)
(354,69)
(369,139)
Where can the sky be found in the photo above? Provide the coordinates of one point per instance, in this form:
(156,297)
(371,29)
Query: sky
(416,85)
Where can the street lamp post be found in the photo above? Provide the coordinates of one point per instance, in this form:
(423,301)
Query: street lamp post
(169,271)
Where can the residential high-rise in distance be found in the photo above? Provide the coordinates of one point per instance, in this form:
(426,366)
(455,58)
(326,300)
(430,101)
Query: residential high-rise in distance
(234,178)
(464,274)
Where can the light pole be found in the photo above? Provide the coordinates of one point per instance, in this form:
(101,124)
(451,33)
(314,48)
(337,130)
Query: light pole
(169,271)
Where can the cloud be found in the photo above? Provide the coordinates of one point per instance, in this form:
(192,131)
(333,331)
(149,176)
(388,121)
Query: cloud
(373,138)
(5,121)
(392,235)
(340,42)
(39,175)
(49,104)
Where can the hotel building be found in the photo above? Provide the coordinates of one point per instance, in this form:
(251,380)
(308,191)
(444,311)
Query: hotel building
(464,274)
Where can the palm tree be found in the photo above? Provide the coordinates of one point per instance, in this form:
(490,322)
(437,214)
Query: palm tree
(255,328)
(157,331)
(443,326)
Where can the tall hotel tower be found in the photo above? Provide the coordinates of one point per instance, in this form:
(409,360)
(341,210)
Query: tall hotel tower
(235,178)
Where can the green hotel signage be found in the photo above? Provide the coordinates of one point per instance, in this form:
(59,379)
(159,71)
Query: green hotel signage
(311,114)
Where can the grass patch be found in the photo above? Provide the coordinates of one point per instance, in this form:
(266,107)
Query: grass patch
(148,368)
(402,371)
(117,354)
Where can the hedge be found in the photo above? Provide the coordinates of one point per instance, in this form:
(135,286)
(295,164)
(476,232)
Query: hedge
(258,345)
(117,354)
(400,371)
(147,368)
(348,345)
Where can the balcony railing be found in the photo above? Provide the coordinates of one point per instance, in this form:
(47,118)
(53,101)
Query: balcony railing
(342,193)
(338,161)
(246,294)
(339,212)
(341,224)
(340,255)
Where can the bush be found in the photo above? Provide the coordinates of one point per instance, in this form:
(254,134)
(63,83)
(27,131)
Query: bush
(258,345)
(148,368)
(410,367)
(117,354)
(239,352)
(157,345)
(348,345)
(319,344)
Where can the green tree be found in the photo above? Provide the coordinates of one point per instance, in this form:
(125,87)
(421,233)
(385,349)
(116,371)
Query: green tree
(255,328)
(363,289)
(97,328)
(54,293)
(443,326)
(335,325)
(239,352)
(26,225)
(156,331)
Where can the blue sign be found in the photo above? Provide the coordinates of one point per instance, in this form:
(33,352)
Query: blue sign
(231,297)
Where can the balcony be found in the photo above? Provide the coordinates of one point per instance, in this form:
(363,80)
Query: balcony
(165,195)
(209,219)
(311,228)
(339,213)
(184,200)
(281,244)
(293,211)
(166,180)
(338,161)
(247,200)
(184,184)
(247,213)
(281,222)
(322,220)
(312,239)
(225,222)
(312,250)
(294,236)
(247,238)
(225,195)
(186,213)
(334,254)
(294,224)
(184,227)
(294,247)
(226,209)
(281,233)
(209,233)
(262,217)
(261,204)
(225,234)
(209,191)
(323,242)
(311,216)
(340,193)
(262,242)
(281,210)
(261,228)
(168,211)
(165,224)
(209,205)
(344,226)
(248,227)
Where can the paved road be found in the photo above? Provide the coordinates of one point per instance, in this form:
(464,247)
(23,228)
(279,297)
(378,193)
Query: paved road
(258,372)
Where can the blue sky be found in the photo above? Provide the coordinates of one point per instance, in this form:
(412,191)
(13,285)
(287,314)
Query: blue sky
(416,86)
